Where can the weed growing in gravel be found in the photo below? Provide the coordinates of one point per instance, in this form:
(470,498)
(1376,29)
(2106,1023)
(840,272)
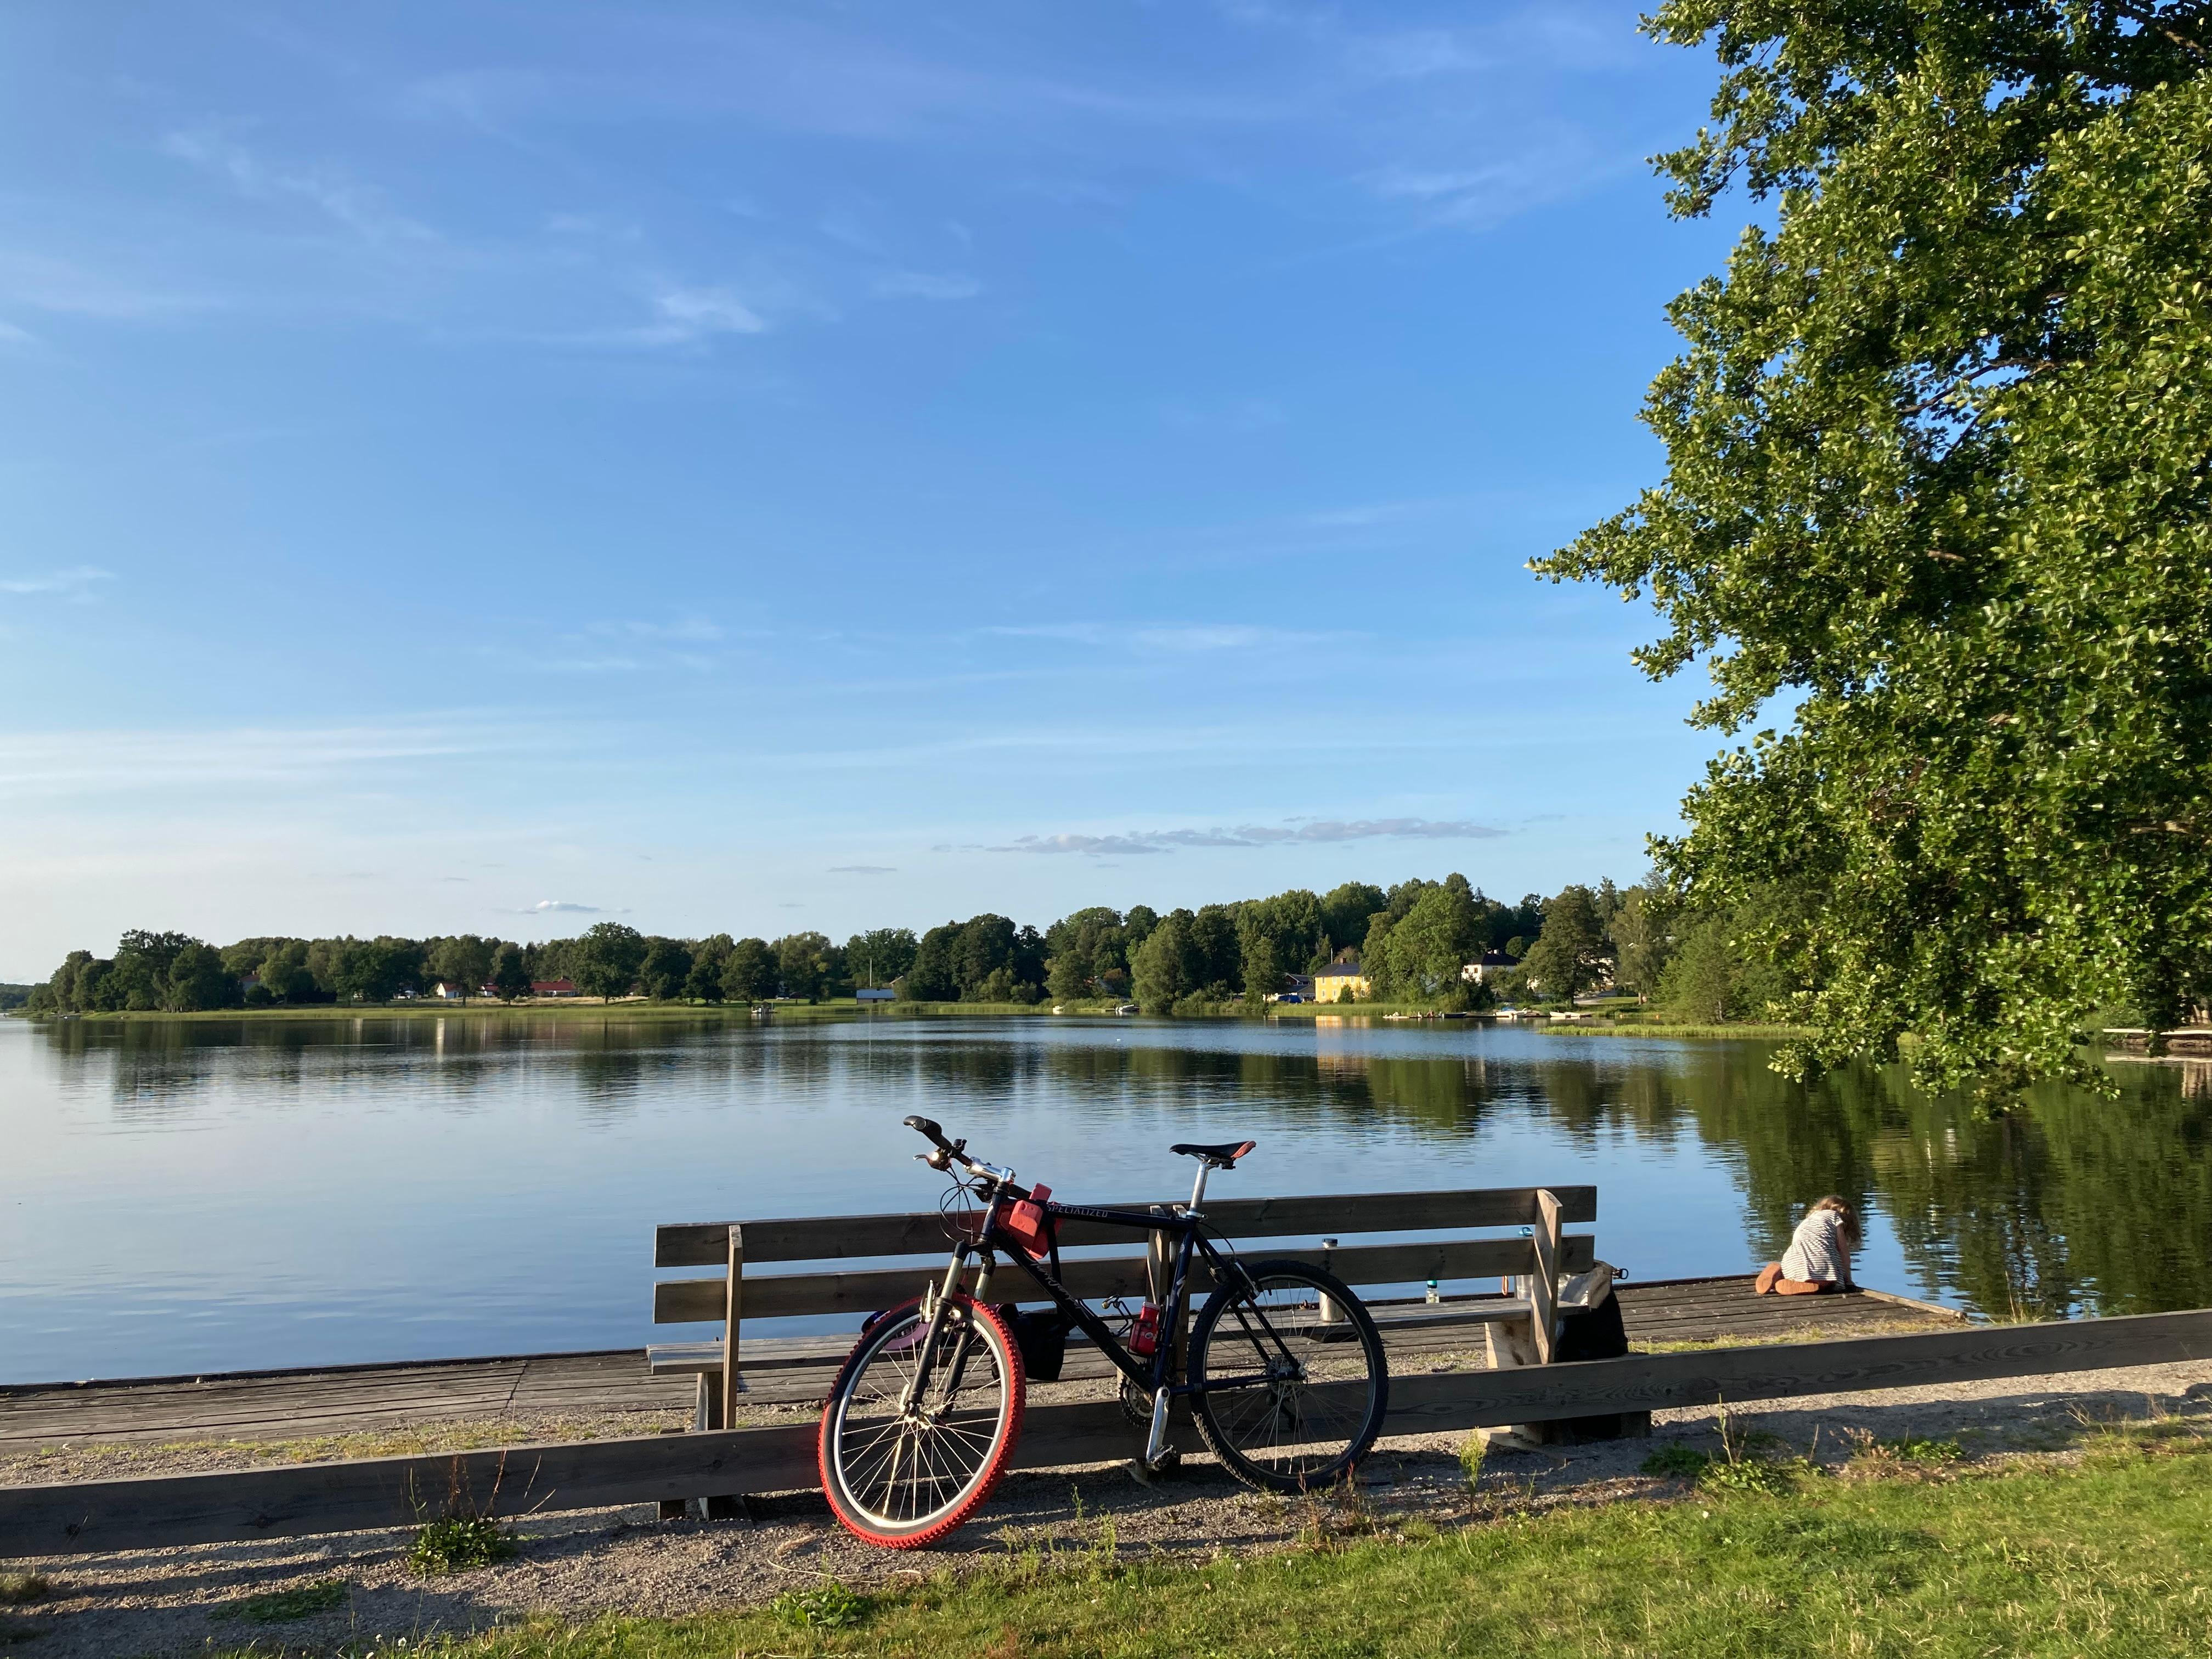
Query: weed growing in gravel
(17,1588)
(1750,1474)
(1472,1451)
(455,1543)
(1913,1450)
(826,1606)
(1676,1462)
(281,1606)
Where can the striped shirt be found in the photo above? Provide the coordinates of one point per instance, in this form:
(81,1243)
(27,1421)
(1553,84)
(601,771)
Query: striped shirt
(1814,1255)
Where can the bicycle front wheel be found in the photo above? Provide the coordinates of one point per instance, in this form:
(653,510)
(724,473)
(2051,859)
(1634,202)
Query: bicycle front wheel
(1289,1378)
(906,1456)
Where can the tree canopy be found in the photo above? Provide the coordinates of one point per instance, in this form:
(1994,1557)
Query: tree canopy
(1938,504)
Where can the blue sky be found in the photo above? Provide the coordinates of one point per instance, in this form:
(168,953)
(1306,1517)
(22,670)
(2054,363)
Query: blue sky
(817,466)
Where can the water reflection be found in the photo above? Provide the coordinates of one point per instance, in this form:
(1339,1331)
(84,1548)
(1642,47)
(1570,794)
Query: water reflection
(1704,1157)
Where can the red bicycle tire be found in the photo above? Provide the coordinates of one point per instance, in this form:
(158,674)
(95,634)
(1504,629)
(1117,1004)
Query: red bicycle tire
(994,1470)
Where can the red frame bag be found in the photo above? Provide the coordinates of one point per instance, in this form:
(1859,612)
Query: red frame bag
(1028,1224)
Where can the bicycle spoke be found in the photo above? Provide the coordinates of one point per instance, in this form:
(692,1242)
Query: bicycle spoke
(1278,1399)
(901,1465)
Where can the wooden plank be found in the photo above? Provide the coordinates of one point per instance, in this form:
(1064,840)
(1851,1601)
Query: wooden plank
(112,1515)
(298,1500)
(693,1301)
(1716,1376)
(835,1238)
(1544,1279)
(733,1313)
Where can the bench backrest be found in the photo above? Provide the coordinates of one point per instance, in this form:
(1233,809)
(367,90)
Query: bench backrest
(813,1239)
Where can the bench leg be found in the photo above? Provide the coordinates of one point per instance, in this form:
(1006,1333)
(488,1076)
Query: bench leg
(704,1401)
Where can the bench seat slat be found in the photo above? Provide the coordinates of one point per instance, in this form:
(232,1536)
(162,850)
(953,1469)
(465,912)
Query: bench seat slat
(831,1238)
(690,1301)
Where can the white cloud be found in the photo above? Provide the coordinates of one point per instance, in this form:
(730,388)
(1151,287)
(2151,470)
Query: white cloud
(1254,835)
(76,764)
(1179,637)
(560,907)
(863,869)
(359,207)
(924,285)
(690,630)
(75,583)
(694,313)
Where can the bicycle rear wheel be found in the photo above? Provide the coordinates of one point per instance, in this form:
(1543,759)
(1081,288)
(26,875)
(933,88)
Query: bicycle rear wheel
(903,1476)
(1289,1378)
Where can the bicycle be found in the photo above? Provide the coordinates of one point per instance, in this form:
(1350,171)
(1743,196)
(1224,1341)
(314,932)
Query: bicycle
(1284,1373)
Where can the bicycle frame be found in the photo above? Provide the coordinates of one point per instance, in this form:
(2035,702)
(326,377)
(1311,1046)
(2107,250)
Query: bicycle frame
(1156,1376)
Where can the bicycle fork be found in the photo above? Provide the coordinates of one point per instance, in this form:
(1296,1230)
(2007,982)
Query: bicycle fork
(936,1303)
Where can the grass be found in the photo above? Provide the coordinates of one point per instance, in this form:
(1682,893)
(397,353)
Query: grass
(2106,1557)
(18,1588)
(1640,1030)
(283,1606)
(455,1543)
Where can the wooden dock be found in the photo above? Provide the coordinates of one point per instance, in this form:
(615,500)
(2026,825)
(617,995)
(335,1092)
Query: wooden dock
(295,1405)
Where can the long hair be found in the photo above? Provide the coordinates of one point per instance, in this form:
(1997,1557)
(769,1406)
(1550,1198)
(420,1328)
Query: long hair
(1850,1228)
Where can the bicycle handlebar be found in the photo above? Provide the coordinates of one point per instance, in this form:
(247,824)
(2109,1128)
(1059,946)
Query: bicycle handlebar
(935,1131)
(949,1152)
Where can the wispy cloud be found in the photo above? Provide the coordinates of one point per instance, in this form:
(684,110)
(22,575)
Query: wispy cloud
(81,762)
(685,316)
(560,906)
(697,630)
(926,285)
(863,869)
(1558,164)
(77,582)
(359,207)
(1254,835)
(1176,637)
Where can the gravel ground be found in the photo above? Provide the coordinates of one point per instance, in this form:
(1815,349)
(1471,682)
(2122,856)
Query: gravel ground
(160,1603)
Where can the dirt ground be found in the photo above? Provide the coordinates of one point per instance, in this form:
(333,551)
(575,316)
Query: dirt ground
(161,1603)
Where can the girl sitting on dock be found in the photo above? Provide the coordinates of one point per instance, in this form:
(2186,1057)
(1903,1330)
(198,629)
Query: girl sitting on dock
(1819,1255)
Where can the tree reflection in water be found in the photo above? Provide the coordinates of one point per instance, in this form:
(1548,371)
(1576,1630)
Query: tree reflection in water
(2070,1204)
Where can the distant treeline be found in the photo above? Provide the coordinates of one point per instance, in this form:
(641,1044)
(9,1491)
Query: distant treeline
(1415,940)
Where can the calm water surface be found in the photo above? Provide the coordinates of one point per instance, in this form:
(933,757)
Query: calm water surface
(183,1197)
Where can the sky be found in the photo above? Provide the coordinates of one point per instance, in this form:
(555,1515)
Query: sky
(472,467)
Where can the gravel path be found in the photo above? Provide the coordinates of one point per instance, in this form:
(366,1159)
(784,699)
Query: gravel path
(160,1603)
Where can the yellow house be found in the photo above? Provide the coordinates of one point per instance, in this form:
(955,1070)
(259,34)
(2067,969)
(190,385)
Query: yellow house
(1342,981)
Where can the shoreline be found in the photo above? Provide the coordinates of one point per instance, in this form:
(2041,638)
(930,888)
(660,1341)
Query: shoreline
(845,1008)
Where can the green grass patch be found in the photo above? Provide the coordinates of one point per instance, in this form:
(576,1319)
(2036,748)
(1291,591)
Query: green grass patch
(1677,1463)
(2106,1558)
(1912,1450)
(17,1589)
(1777,1033)
(826,1606)
(455,1543)
(283,1606)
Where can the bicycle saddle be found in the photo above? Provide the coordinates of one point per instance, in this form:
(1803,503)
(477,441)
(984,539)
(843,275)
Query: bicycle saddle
(1223,1157)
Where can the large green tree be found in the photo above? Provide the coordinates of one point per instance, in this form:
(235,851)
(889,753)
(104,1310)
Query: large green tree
(462,960)
(1423,956)
(749,972)
(1939,497)
(1573,953)
(604,962)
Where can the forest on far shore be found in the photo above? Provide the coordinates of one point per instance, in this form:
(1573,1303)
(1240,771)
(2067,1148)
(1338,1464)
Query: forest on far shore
(1413,941)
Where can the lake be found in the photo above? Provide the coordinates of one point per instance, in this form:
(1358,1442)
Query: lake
(188,1197)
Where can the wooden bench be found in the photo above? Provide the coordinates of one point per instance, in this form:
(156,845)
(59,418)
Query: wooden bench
(1545,1266)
